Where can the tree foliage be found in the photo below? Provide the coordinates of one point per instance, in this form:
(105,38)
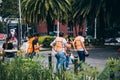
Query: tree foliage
(71,11)
(9,8)
(106,11)
(40,10)
(2,27)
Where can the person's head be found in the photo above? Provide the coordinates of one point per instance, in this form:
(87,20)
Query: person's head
(61,34)
(28,37)
(8,39)
(36,35)
(80,33)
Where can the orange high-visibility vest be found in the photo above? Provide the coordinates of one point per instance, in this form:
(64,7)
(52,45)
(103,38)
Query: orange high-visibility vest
(30,46)
(59,44)
(78,43)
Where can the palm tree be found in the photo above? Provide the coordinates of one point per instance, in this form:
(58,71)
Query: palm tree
(84,9)
(105,10)
(45,10)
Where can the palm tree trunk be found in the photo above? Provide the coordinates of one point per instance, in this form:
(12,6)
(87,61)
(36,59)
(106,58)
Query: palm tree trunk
(75,30)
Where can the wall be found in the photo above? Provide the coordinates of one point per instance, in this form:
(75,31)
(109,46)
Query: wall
(42,28)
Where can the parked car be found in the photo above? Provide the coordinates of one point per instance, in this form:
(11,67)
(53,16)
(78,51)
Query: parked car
(118,39)
(112,40)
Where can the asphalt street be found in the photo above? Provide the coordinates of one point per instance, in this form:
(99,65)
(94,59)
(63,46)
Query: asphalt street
(97,58)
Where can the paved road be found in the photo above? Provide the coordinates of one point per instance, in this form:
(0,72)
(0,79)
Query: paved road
(98,56)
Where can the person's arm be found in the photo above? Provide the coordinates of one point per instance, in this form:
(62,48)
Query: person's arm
(37,46)
(53,45)
(71,40)
(3,48)
(83,45)
(65,45)
(74,45)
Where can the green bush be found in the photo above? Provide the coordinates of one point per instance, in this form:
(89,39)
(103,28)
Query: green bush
(94,41)
(36,69)
(42,38)
(112,68)
(27,69)
(87,41)
(47,41)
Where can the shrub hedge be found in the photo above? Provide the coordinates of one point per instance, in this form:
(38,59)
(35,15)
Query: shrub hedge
(36,69)
(46,40)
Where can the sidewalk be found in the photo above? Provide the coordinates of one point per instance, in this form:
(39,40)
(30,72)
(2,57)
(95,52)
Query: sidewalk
(44,49)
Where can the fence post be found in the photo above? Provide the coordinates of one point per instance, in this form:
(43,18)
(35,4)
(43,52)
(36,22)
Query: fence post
(76,64)
(50,60)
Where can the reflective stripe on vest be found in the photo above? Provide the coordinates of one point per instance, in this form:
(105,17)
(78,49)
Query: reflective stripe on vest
(78,44)
(59,44)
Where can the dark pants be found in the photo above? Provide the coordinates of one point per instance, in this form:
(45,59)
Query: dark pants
(81,55)
(31,55)
(9,54)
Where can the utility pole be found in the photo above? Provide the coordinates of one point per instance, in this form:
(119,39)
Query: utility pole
(20,26)
(58,29)
(95,28)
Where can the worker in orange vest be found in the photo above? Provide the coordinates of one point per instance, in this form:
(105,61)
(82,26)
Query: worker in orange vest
(80,46)
(59,45)
(30,48)
(33,46)
(36,45)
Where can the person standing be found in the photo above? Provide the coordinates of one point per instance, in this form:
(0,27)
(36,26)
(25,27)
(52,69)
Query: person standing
(59,45)
(80,46)
(33,46)
(35,43)
(25,45)
(30,47)
(68,52)
(8,45)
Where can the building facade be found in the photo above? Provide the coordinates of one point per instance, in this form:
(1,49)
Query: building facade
(72,30)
